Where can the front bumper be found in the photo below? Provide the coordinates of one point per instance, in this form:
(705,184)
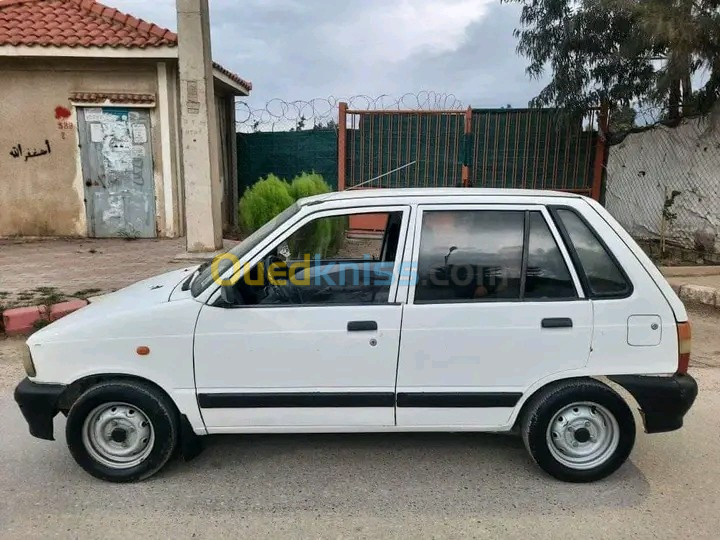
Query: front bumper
(663,400)
(39,405)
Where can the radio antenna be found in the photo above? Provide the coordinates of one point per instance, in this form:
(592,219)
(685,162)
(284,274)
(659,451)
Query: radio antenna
(382,175)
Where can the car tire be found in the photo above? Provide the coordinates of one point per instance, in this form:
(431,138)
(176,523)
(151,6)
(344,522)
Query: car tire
(578,431)
(122,431)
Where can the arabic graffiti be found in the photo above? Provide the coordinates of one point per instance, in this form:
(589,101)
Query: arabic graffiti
(18,151)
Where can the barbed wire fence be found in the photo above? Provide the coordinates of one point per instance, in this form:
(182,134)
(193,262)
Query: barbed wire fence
(322,113)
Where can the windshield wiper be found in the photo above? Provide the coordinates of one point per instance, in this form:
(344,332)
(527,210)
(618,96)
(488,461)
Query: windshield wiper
(197,272)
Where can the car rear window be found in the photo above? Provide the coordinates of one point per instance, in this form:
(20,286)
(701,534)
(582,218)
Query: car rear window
(602,274)
(547,275)
(490,255)
(470,256)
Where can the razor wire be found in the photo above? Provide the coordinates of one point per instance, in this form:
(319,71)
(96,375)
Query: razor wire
(322,113)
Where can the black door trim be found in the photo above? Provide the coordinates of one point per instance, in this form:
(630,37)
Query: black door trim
(458,399)
(358,399)
(296,399)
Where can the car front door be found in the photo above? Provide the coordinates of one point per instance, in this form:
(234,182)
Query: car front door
(496,308)
(318,351)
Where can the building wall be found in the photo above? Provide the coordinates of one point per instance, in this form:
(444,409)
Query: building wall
(225,106)
(43,195)
(664,182)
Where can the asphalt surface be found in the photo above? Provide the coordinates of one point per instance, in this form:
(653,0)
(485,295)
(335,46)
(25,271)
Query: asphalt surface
(397,485)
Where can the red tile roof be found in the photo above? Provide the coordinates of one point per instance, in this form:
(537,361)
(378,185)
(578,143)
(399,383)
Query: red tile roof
(83,23)
(247,85)
(76,23)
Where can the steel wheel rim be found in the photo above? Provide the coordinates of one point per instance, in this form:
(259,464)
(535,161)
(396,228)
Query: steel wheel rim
(118,435)
(583,435)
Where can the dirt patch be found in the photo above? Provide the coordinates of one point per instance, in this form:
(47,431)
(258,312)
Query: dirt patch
(11,368)
(358,248)
(705,321)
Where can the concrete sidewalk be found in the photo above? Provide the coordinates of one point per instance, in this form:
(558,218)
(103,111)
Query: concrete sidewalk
(699,284)
(78,267)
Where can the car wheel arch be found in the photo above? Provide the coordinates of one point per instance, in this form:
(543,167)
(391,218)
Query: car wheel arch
(528,398)
(75,389)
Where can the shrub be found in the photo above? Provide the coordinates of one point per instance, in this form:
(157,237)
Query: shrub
(337,240)
(324,236)
(263,201)
(307,185)
(271,195)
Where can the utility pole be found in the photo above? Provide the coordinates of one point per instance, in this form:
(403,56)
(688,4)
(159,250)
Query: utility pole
(199,128)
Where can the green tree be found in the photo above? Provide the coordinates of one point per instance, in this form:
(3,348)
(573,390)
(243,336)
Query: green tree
(622,119)
(622,52)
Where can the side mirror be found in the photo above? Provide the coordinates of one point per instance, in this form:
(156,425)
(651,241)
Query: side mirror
(230,296)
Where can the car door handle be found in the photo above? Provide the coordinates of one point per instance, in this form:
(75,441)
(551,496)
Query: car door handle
(362,326)
(558,322)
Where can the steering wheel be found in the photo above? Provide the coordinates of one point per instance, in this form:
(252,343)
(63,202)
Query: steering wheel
(289,292)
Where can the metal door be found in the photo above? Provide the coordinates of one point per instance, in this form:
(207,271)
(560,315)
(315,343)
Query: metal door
(117,167)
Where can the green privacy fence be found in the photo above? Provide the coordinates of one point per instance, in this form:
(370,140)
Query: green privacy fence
(509,148)
(530,148)
(504,148)
(380,142)
(286,154)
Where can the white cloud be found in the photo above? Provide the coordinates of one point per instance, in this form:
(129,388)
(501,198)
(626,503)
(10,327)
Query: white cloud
(393,31)
(302,49)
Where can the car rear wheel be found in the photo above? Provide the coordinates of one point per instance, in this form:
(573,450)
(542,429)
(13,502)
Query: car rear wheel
(122,431)
(578,431)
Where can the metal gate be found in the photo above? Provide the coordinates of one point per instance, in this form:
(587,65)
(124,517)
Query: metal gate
(502,148)
(117,166)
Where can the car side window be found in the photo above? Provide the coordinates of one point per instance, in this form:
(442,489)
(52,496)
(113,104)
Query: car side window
(602,274)
(547,275)
(327,261)
(470,256)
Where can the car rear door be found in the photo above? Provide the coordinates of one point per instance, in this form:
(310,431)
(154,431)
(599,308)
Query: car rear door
(496,307)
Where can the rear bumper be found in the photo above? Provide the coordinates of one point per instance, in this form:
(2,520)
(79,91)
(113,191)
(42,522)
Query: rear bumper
(39,405)
(663,400)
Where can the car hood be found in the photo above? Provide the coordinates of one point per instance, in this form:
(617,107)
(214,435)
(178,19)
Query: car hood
(138,296)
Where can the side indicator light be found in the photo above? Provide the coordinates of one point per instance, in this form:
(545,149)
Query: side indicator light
(143,350)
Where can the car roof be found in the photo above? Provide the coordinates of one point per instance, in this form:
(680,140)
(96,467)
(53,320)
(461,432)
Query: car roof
(454,193)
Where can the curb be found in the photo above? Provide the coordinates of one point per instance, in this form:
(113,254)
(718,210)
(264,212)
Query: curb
(699,294)
(22,321)
(689,271)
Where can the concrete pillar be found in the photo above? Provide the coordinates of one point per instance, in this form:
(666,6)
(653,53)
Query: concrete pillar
(198,128)
(232,149)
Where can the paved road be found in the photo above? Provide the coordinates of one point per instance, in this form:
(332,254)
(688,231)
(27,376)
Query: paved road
(428,485)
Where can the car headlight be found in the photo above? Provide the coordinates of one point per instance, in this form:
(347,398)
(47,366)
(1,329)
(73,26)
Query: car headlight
(28,363)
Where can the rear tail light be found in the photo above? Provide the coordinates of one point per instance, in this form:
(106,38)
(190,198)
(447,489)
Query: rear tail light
(683,330)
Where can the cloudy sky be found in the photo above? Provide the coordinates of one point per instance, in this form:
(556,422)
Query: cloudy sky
(303,49)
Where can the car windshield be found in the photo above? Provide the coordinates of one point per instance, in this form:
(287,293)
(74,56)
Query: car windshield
(205,277)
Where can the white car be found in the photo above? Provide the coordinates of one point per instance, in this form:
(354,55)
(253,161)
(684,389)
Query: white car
(380,310)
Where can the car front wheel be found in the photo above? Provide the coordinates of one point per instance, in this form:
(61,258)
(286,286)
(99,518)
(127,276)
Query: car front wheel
(122,431)
(578,431)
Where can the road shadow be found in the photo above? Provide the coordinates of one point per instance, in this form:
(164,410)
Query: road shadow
(473,472)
